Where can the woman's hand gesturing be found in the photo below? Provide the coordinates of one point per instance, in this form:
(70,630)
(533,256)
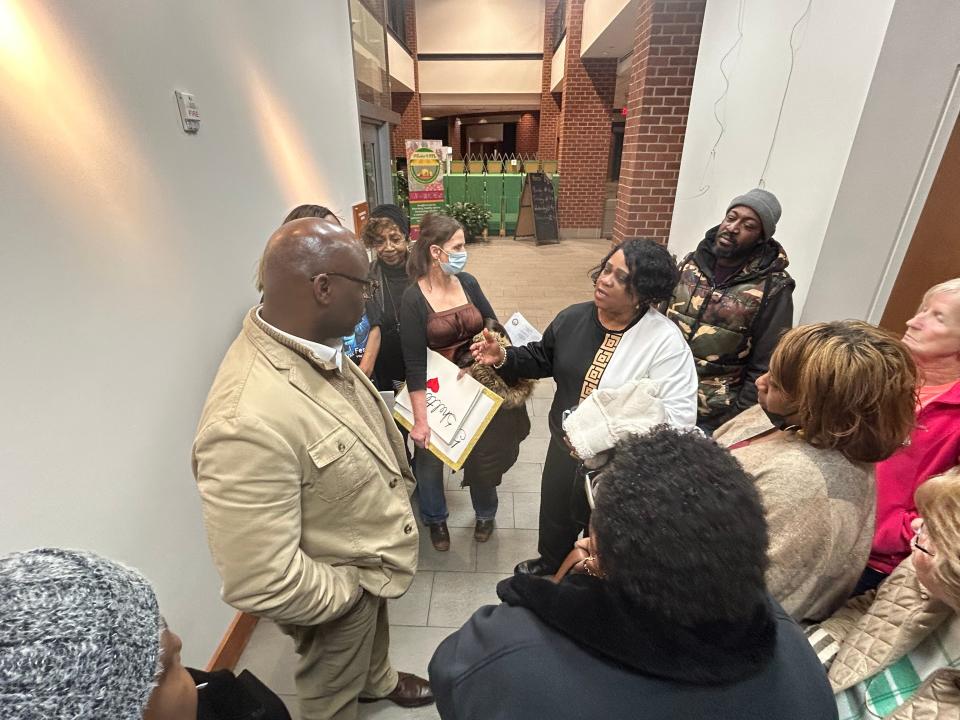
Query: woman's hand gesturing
(488,351)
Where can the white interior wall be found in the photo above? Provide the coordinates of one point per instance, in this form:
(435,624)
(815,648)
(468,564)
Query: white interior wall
(609,28)
(839,46)
(480,76)
(480,26)
(558,66)
(597,15)
(401,66)
(912,107)
(129,251)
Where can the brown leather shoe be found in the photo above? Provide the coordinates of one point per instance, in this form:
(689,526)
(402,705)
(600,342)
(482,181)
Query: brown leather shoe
(440,536)
(411,691)
(483,530)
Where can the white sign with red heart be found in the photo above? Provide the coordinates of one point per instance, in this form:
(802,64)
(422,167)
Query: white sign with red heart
(458,409)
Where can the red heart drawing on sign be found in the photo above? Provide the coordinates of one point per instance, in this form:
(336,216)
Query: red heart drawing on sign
(433,385)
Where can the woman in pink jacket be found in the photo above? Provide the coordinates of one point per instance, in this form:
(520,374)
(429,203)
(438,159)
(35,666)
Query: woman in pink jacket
(933,336)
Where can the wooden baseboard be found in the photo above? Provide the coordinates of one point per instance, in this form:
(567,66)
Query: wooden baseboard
(228,653)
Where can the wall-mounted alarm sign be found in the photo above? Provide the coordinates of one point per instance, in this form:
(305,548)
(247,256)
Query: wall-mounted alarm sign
(189,112)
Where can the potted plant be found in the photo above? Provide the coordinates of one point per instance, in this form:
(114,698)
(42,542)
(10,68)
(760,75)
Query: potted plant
(401,190)
(473,217)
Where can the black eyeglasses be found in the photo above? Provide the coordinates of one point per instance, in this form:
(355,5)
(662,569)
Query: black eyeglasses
(916,541)
(370,286)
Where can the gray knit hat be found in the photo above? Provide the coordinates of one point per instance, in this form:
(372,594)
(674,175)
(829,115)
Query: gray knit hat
(765,205)
(79,637)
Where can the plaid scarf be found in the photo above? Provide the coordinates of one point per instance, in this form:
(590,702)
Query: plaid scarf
(882,694)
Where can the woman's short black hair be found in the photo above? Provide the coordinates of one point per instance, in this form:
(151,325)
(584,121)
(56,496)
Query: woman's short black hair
(680,529)
(653,272)
(310,211)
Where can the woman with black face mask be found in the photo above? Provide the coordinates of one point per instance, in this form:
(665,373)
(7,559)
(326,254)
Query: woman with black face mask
(838,398)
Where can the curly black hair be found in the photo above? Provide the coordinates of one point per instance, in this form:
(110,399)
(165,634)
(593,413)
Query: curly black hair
(653,272)
(680,529)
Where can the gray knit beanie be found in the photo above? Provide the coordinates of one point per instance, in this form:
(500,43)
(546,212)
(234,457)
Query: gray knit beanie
(79,637)
(765,205)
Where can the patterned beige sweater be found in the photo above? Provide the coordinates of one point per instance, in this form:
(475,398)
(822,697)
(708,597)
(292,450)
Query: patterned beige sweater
(820,513)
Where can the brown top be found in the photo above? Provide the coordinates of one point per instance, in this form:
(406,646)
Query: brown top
(447,330)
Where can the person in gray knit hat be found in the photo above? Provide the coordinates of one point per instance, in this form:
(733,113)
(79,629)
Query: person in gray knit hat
(81,638)
(733,301)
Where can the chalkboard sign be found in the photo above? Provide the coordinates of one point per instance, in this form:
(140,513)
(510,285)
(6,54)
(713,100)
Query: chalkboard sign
(538,210)
(544,208)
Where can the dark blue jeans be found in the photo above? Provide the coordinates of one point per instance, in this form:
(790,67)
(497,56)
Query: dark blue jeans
(433,501)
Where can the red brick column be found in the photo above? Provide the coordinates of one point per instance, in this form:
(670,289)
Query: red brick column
(658,102)
(549,102)
(453,137)
(585,130)
(410,127)
(407,103)
(528,133)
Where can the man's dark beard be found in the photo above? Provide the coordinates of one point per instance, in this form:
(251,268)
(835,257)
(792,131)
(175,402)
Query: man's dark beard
(735,253)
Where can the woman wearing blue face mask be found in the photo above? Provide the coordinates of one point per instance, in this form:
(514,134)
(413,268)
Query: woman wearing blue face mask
(442,310)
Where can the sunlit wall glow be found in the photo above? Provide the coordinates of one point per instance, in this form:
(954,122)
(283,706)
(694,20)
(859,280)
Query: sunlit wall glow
(70,131)
(284,146)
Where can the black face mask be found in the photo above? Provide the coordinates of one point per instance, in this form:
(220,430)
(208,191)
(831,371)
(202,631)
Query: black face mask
(779,421)
(223,696)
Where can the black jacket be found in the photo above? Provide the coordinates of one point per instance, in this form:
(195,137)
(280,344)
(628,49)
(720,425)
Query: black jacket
(574,651)
(732,326)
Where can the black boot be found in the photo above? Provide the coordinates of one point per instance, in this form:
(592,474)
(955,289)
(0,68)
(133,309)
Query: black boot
(535,566)
(440,536)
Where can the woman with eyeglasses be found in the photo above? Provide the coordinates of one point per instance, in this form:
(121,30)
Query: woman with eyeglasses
(838,397)
(442,310)
(894,652)
(616,338)
(387,233)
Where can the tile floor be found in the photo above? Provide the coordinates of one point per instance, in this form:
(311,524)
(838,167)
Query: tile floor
(449,587)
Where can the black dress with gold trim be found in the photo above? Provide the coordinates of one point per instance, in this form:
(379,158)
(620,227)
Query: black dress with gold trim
(575,351)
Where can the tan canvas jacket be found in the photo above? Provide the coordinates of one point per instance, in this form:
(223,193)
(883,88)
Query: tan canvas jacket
(876,629)
(303,504)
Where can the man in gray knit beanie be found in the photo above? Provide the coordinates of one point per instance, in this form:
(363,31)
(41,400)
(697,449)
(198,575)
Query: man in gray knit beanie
(80,638)
(733,301)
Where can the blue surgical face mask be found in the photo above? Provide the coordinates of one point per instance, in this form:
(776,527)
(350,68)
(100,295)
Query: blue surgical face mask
(457,261)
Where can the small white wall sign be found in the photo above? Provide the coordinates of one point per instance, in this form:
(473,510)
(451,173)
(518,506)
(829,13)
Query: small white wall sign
(189,112)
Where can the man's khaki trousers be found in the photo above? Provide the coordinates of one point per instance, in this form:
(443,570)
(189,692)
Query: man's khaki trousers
(343,659)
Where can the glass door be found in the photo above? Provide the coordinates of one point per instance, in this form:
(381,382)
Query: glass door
(372,170)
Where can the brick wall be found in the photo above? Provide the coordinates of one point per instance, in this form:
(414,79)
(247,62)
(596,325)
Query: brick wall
(549,102)
(588,85)
(453,137)
(407,103)
(658,102)
(410,127)
(528,133)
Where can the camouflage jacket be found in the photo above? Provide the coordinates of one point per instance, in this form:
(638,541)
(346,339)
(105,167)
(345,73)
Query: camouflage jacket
(732,327)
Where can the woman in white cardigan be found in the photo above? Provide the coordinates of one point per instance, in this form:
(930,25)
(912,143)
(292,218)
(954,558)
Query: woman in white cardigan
(617,338)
